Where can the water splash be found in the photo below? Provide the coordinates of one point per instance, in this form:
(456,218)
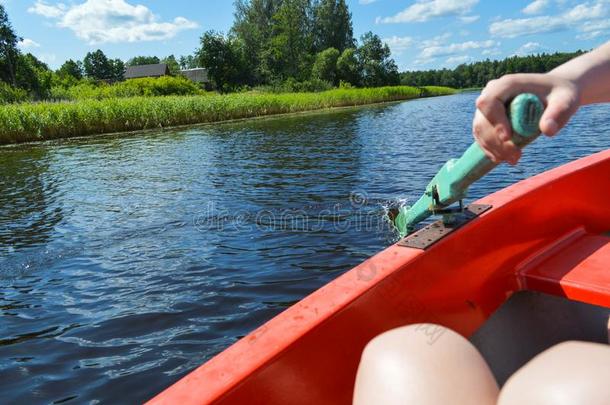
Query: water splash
(391,208)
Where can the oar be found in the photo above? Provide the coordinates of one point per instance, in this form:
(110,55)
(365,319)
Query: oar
(451,183)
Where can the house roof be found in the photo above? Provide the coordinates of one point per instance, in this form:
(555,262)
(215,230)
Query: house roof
(157,69)
(199,75)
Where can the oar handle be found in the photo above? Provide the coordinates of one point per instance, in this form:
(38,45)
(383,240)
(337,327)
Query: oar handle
(524,114)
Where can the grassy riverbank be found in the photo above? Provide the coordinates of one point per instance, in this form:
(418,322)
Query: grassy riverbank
(42,121)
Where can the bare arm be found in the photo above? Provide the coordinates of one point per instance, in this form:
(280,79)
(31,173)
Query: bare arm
(580,81)
(591,73)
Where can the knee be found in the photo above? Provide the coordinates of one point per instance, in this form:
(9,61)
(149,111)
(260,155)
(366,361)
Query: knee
(567,373)
(426,364)
(405,343)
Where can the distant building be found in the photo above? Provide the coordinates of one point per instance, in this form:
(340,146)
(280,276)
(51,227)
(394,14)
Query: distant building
(198,75)
(156,70)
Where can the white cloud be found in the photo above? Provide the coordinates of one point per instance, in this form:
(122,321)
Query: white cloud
(457,60)
(580,17)
(453,49)
(45,10)
(27,43)
(529,48)
(536,7)
(436,41)
(491,52)
(365,2)
(399,44)
(594,29)
(432,49)
(424,10)
(590,35)
(512,28)
(597,25)
(587,11)
(99,21)
(469,19)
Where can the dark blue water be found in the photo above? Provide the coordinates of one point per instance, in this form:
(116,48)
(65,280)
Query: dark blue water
(125,262)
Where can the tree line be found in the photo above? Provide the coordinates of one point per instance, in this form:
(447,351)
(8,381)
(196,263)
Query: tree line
(288,45)
(477,74)
(299,44)
(278,41)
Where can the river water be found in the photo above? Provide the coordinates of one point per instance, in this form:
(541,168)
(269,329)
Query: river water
(127,261)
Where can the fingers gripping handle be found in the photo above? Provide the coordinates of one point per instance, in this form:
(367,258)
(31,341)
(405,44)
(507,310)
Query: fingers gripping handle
(524,114)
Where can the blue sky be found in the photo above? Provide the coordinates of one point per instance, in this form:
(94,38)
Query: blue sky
(423,34)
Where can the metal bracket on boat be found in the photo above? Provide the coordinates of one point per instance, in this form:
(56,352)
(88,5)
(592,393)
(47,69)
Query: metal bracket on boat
(430,234)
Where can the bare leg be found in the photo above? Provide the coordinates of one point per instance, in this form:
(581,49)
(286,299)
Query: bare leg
(423,364)
(567,373)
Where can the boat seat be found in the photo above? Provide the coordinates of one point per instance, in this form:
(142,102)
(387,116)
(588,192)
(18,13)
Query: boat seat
(577,267)
(530,322)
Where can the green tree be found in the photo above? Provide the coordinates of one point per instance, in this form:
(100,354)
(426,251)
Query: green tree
(8,49)
(70,68)
(188,62)
(172,64)
(33,76)
(479,73)
(392,76)
(348,67)
(97,66)
(290,52)
(325,66)
(223,58)
(143,60)
(117,70)
(378,69)
(332,25)
(253,26)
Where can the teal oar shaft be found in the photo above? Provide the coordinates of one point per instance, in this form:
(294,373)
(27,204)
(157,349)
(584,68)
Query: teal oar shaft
(473,165)
(452,181)
(469,168)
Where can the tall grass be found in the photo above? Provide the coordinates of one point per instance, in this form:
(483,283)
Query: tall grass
(146,86)
(432,91)
(40,121)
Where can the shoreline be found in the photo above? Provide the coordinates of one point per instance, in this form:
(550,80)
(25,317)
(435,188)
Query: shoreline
(41,122)
(327,110)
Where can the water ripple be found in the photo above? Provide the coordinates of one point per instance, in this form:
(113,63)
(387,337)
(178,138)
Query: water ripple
(125,262)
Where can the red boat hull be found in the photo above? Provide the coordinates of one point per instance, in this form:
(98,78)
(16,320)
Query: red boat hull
(547,233)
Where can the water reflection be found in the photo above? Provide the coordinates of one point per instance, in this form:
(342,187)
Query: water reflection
(28,199)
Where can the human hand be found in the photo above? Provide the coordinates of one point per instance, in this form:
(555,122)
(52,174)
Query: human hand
(490,125)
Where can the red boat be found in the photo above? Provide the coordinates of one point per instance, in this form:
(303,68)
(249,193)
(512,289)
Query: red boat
(530,271)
